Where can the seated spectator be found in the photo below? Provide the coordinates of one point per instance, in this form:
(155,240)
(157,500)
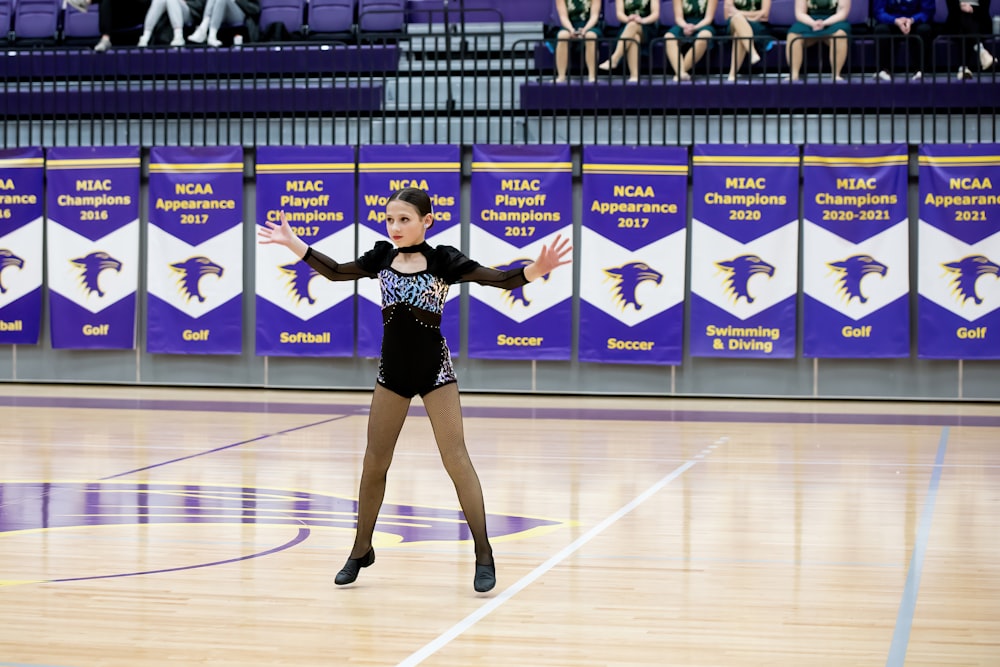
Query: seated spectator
(177,12)
(578,20)
(639,19)
(903,17)
(693,29)
(819,21)
(212,14)
(746,21)
(114,15)
(965,20)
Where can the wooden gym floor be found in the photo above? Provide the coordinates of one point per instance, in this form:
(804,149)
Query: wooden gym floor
(145,527)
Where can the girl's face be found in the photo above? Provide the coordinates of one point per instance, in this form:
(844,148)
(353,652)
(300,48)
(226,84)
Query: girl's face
(404,224)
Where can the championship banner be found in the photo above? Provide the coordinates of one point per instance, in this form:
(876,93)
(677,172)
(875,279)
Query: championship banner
(632,259)
(522,197)
(92,226)
(856,275)
(744,251)
(383,170)
(958,252)
(195,250)
(21,199)
(299,312)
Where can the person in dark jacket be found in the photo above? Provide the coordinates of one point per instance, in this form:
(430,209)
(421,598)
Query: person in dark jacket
(966,19)
(212,14)
(910,18)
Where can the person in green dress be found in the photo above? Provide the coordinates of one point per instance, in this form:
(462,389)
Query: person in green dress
(578,20)
(746,21)
(693,27)
(639,20)
(819,22)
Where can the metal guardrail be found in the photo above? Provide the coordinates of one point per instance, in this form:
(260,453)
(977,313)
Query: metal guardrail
(464,86)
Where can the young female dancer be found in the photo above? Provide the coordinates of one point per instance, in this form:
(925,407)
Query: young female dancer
(414,279)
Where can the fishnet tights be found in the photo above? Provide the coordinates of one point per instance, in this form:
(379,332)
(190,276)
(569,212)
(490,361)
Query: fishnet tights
(385,421)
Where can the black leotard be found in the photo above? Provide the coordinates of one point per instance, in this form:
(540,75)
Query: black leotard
(415,358)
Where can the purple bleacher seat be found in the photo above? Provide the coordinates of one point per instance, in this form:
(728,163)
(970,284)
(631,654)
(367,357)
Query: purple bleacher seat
(36,20)
(381,15)
(858,17)
(782,13)
(332,17)
(290,13)
(667,13)
(79,25)
(5,16)
(611,16)
(477,11)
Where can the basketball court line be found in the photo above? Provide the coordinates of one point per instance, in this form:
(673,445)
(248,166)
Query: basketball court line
(454,631)
(908,603)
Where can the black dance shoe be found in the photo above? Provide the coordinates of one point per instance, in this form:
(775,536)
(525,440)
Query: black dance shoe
(486,577)
(349,573)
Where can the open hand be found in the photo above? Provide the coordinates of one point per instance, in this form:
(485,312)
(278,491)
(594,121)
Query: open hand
(271,233)
(551,257)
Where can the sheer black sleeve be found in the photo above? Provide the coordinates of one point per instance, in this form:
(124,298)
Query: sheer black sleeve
(454,267)
(366,266)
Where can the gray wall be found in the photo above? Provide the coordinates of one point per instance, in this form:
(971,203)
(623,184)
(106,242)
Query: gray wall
(910,378)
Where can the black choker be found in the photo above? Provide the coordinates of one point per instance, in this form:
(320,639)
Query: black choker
(420,247)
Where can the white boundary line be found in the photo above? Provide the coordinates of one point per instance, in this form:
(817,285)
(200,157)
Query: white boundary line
(470,620)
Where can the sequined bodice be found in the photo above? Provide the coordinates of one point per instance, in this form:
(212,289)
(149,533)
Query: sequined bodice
(421,290)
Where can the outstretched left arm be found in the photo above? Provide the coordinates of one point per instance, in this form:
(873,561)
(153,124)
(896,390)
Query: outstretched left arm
(551,257)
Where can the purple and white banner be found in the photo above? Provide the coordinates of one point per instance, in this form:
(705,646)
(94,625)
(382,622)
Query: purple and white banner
(382,170)
(22,191)
(299,312)
(195,250)
(958,252)
(632,254)
(856,276)
(522,197)
(93,246)
(744,251)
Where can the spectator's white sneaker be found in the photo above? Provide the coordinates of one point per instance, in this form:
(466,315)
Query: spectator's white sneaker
(213,39)
(917,76)
(964,73)
(178,39)
(103,45)
(985,57)
(79,5)
(143,40)
(198,36)
(883,76)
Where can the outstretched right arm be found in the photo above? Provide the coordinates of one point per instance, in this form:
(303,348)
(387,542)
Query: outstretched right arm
(328,268)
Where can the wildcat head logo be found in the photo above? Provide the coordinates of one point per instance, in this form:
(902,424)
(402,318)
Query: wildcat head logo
(627,278)
(91,267)
(516,295)
(8,259)
(964,274)
(850,272)
(191,270)
(299,274)
(738,273)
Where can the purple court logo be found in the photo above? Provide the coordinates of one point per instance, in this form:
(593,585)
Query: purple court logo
(34,506)
(737,273)
(626,278)
(190,273)
(299,275)
(7,260)
(91,266)
(850,272)
(516,295)
(965,272)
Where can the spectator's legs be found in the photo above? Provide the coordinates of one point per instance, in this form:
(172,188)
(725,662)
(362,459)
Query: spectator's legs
(201,32)
(838,45)
(885,45)
(673,49)
(919,49)
(695,53)
(590,55)
(794,48)
(743,44)
(562,55)
(629,32)
(632,53)
(156,9)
